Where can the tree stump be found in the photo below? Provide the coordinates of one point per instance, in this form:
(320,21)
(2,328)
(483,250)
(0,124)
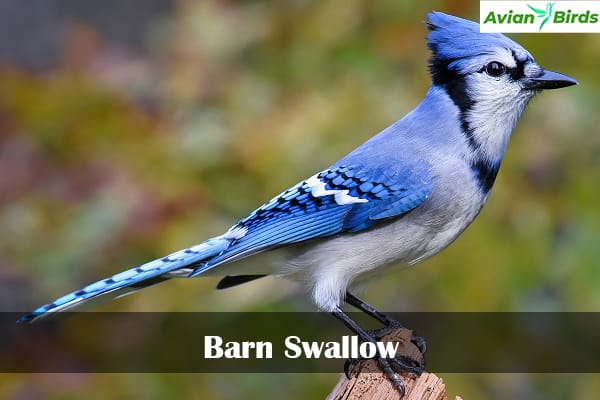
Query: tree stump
(367,381)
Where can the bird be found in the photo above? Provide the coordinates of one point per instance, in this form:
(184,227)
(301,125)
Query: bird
(544,14)
(397,199)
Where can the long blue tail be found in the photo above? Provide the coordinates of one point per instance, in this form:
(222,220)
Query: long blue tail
(183,263)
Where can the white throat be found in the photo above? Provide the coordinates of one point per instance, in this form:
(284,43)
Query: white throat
(492,119)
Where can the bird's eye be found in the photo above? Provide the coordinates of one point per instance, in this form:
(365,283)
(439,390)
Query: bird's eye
(495,68)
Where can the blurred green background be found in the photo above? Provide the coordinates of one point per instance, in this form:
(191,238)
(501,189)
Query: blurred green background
(129,130)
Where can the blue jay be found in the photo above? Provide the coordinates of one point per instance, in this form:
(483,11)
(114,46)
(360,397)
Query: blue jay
(399,198)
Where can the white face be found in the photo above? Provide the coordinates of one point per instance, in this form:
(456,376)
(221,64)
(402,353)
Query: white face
(497,76)
(494,84)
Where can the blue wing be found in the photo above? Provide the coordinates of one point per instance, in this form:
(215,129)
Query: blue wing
(339,199)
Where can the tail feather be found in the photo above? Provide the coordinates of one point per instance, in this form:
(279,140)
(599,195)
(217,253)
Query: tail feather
(180,263)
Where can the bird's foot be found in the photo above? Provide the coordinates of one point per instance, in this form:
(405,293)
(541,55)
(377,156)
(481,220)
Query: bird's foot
(388,366)
(392,367)
(401,363)
(390,323)
(411,359)
(393,325)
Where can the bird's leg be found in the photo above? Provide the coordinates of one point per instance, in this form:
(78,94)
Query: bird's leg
(390,326)
(388,365)
(390,323)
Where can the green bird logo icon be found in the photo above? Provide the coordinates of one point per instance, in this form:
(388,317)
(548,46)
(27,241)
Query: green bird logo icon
(545,14)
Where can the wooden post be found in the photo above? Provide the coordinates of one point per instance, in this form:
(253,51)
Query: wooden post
(368,382)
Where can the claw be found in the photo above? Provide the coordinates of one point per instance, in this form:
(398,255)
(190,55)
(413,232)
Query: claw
(394,325)
(407,364)
(349,366)
(420,343)
(392,376)
(391,367)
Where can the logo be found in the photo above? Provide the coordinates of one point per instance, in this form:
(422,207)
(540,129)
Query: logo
(540,16)
(544,14)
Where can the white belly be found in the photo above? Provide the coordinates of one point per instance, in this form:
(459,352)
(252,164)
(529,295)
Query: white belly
(328,267)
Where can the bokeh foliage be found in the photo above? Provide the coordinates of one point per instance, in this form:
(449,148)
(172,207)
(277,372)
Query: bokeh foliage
(112,158)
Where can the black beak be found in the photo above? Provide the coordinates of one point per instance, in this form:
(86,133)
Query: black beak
(549,80)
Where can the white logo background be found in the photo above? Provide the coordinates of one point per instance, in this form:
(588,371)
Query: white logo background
(559,16)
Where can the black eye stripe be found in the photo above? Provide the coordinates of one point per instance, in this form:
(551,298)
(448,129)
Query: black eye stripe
(519,71)
(515,73)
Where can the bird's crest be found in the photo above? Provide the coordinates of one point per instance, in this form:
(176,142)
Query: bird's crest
(452,40)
